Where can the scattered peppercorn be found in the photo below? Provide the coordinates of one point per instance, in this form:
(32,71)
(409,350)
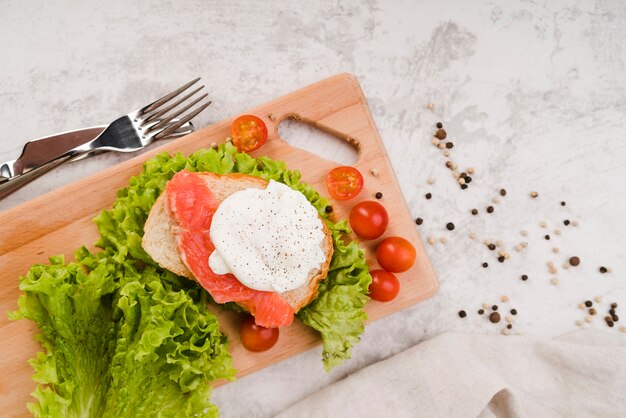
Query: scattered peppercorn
(439,125)
(468,179)
(449,145)
(603,270)
(491,246)
(378,195)
(524,277)
(494,308)
(588,303)
(490,209)
(450,226)
(513,311)
(462,314)
(566,222)
(614,305)
(481,311)
(534,194)
(419,221)
(329,209)
(441,134)
(562,203)
(501,258)
(428,196)
(509,326)
(463,186)
(615,318)
(547,237)
(494,317)
(502,192)
(574,261)
(474,211)
(592,311)
(611,311)
(485,265)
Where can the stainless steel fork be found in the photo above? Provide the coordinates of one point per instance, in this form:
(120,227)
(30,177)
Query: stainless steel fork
(129,133)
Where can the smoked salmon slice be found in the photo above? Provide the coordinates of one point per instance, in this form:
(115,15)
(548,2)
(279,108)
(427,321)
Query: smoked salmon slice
(192,205)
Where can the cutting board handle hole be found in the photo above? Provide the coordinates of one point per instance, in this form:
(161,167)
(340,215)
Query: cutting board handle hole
(319,140)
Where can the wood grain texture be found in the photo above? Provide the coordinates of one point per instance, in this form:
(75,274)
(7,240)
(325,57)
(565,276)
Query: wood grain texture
(60,221)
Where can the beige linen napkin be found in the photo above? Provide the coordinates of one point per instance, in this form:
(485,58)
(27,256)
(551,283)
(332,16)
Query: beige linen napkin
(582,374)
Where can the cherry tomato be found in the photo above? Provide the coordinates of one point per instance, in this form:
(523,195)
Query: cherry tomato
(344,182)
(248,133)
(385,286)
(395,254)
(255,337)
(369,219)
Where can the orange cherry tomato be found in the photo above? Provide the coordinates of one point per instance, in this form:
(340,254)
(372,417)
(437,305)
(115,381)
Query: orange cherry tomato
(344,182)
(385,286)
(255,337)
(395,254)
(369,219)
(248,133)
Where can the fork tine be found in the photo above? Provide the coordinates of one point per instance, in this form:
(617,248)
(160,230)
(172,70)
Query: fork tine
(157,103)
(160,113)
(168,130)
(164,122)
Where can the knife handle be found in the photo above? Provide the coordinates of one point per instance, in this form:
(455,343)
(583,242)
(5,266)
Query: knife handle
(11,185)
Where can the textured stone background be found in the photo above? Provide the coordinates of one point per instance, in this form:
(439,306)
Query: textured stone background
(533,93)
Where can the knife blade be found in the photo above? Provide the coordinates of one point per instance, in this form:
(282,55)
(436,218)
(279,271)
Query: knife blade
(39,151)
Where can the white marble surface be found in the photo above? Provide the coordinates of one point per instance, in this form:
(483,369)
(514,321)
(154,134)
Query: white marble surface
(533,94)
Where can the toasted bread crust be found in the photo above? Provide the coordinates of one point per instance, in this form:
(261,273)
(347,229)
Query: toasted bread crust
(159,239)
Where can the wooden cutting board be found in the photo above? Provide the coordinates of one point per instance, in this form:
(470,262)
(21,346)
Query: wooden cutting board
(61,221)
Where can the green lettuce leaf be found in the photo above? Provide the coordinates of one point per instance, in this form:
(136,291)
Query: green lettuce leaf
(337,313)
(120,340)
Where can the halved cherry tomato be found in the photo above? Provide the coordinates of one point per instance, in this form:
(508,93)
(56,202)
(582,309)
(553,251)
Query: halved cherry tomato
(385,286)
(248,133)
(255,337)
(395,254)
(344,182)
(369,219)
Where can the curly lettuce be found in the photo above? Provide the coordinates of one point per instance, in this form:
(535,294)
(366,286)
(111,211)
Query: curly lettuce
(338,312)
(120,340)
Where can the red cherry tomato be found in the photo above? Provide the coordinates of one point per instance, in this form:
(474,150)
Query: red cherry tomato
(344,182)
(255,337)
(385,286)
(248,133)
(369,219)
(395,254)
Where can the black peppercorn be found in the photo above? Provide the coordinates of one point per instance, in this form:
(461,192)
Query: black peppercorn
(378,195)
(450,226)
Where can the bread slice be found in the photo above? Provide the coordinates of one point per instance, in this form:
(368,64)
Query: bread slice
(160,243)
